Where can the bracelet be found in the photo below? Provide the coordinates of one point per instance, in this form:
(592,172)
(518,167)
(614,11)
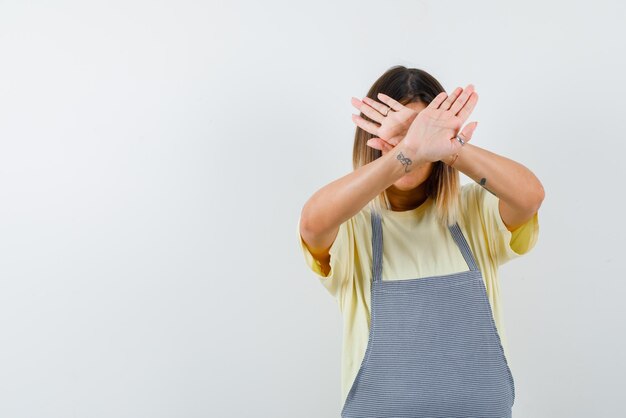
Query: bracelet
(453,161)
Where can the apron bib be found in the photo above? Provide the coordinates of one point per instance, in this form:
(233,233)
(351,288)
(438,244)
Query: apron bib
(433,347)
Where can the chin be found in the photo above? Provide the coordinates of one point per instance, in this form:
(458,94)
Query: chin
(407,184)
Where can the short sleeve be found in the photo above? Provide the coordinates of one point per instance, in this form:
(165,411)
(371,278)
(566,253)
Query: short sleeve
(503,245)
(341,259)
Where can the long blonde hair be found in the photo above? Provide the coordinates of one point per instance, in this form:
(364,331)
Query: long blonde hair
(408,85)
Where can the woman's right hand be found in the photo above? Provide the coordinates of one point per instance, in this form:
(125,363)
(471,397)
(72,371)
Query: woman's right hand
(432,135)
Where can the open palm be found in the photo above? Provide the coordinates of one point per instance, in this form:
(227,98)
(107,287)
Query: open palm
(432,130)
(393,119)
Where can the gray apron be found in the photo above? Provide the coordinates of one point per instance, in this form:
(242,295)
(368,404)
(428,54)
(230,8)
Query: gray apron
(433,348)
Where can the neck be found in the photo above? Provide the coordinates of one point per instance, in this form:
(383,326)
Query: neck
(402,200)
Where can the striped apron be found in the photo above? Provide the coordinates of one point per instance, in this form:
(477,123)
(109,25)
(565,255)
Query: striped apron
(433,347)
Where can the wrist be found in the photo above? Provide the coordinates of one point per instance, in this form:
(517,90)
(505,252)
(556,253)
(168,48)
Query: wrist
(451,159)
(408,156)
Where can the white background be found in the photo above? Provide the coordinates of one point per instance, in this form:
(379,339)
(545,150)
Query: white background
(155,156)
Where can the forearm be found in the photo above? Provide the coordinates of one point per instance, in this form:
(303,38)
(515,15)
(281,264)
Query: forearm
(341,199)
(510,181)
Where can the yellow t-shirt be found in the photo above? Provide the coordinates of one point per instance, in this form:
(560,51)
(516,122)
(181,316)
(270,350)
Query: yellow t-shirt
(415,245)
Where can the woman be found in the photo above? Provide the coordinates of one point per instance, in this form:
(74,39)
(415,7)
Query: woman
(422,324)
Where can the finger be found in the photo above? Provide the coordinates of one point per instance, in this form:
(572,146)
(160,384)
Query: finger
(455,145)
(356,103)
(468,131)
(386,145)
(465,135)
(451,98)
(463,98)
(438,100)
(379,144)
(366,125)
(469,106)
(373,143)
(368,111)
(382,109)
(391,102)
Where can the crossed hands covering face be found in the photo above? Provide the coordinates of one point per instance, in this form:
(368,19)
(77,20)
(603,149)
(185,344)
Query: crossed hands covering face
(430,133)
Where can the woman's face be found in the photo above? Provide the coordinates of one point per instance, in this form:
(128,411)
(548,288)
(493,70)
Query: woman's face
(418,174)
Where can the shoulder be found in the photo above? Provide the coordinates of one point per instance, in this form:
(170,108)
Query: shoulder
(480,214)
(478,204)
(472,192)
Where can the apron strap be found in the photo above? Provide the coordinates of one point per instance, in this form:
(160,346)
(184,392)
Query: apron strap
(459,238)
(377,246)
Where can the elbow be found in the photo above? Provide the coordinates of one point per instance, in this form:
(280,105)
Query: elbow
(530,200)
(537,198)
(309,224)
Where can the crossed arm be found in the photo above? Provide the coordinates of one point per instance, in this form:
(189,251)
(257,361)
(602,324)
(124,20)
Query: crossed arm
(519,191)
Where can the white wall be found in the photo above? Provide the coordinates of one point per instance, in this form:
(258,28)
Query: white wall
(155,156)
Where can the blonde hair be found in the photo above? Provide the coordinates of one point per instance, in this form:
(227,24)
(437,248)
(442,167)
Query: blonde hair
(409,85)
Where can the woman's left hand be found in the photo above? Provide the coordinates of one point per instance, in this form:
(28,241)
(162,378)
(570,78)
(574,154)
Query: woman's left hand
(393,120)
